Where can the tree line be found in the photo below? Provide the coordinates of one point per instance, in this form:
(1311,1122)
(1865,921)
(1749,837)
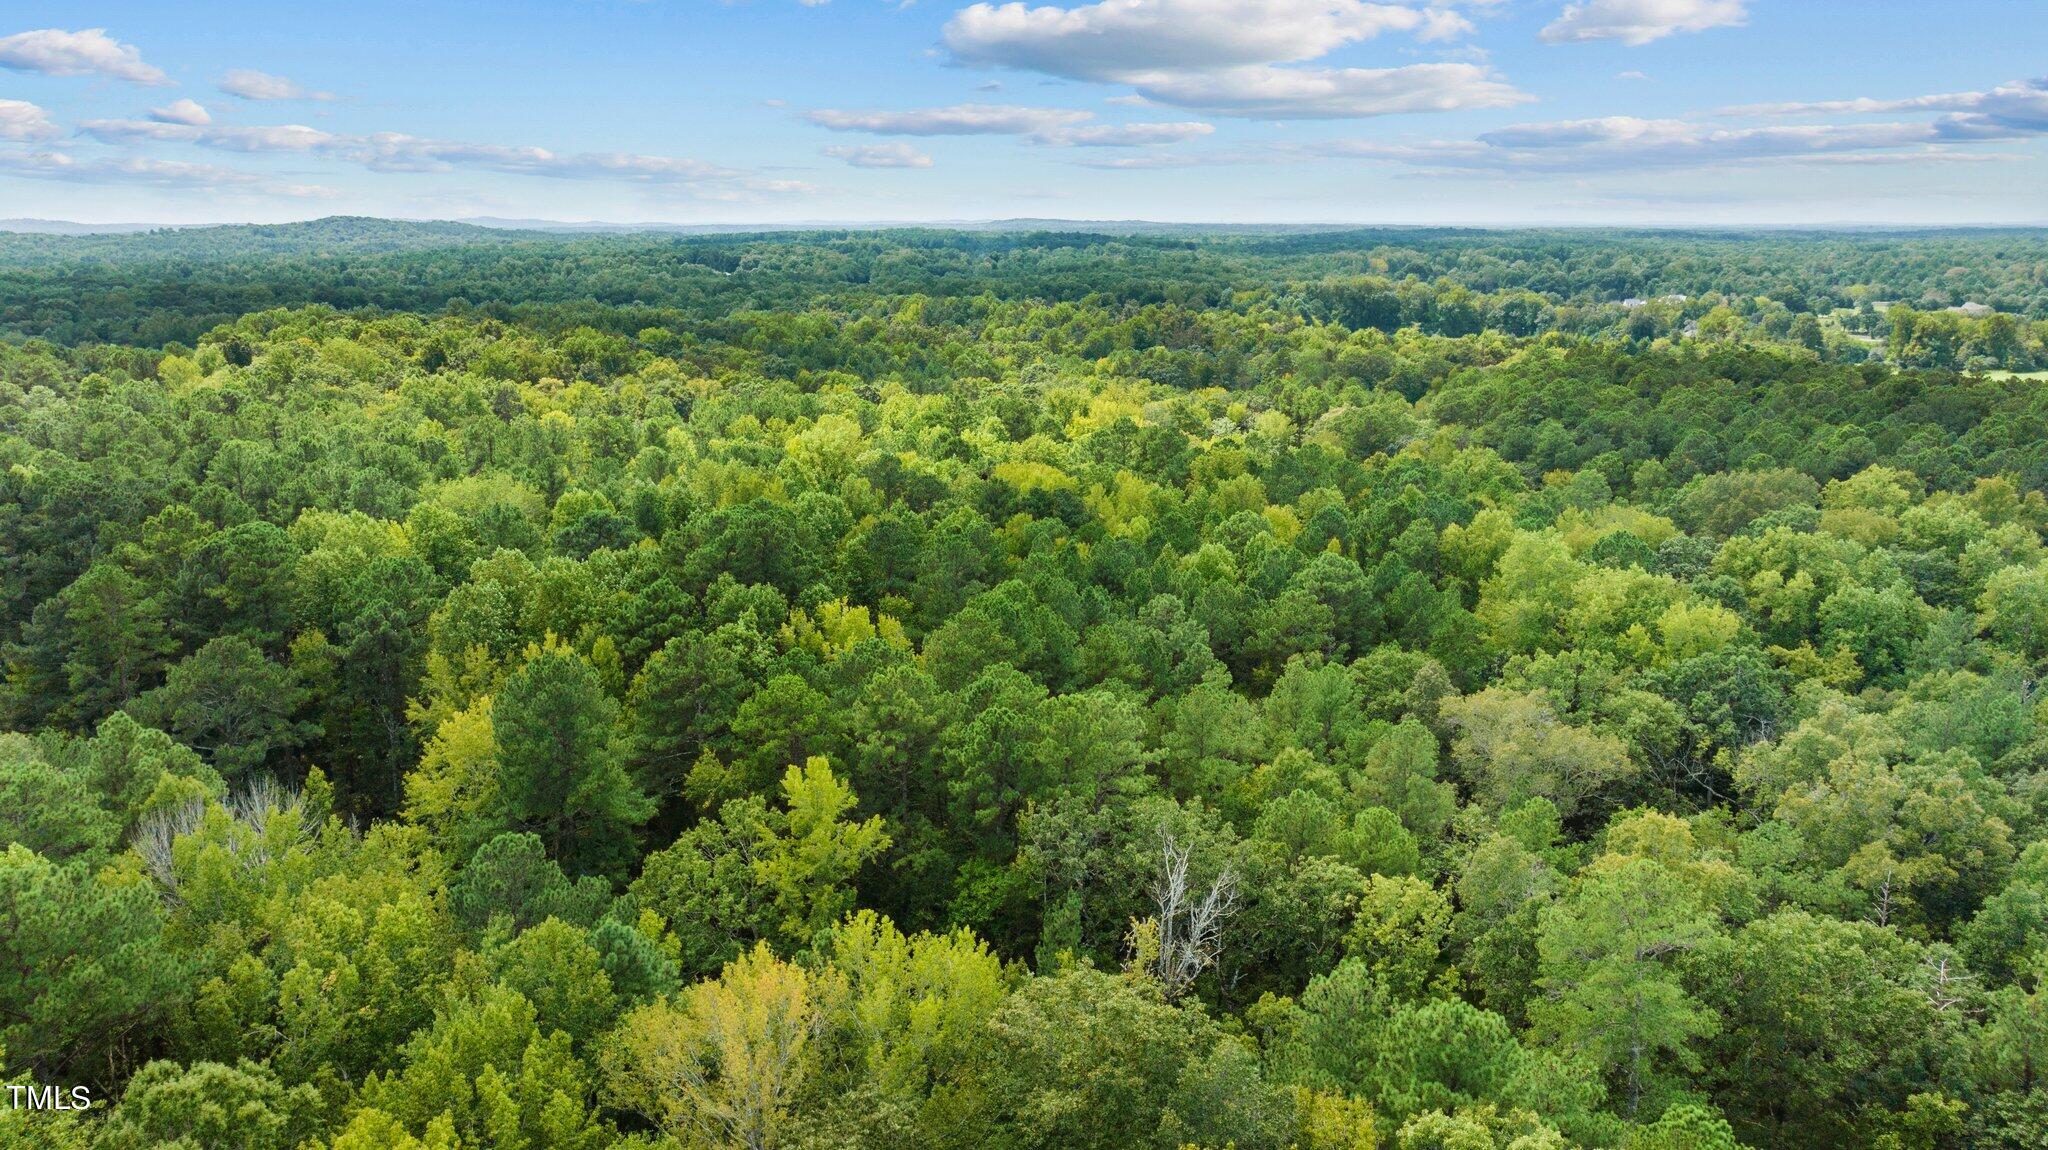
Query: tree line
(1818,290)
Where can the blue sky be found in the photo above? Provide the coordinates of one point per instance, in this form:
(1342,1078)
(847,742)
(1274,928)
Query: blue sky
(1437,111)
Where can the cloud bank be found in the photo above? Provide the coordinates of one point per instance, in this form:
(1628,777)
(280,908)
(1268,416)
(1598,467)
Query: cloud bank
(1621,144)
(23,121)
(150,172)
(190,112)
(396,152)
(2009,111)
(1115,39)
(1262,92)
(1639,22)
(249,84)
(1057,127)
(879,155)
(1239,58)
(55,52)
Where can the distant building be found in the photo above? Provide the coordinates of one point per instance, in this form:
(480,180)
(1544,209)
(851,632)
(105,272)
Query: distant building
(1674,297)
(1633,302)
(1974,310)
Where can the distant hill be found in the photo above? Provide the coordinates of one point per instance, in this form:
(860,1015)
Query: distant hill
(1017,224)
(332,235)
(359,230)
(174,284)
(336,235)
(71,228)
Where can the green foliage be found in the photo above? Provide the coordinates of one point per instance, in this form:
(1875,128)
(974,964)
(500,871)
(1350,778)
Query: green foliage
(1400,932)
(724,1063)
(1513,747)
(1471,712)
(1087,1059)
(512,876)
(559,774)
(485,1070)
(558,970)
(206,1105)
(230,703)
(810,854)
(82,968)
(1686,1127)
(638,967)
(1826,1034)
(1351,1033)
(707,887)
(46,809)
(919,1004)
(1611,993)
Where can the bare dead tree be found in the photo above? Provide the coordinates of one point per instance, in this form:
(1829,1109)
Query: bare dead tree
(157,834)
(253,806)
(250,809)
(1946,985)
(261,798)
(1190,925)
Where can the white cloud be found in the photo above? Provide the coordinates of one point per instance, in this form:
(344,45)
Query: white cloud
(151,172)
(1638,22)
(2007,111)
(2021,107)
(260,138)
(879,155)
(1261,92)
(1650,139)
(1157,161)
(1220,56)
(21,120)
(1131,135)
(1059,127)
(55,52)
(1863,106)
(1440,24)
(958,120)
(400,152)
(1114,38)
(1627,143)
(2010,112)
(134,131)
(182,112)
(249,84)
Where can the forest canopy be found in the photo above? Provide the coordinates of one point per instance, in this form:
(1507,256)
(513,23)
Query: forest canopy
(1292,691)
(1831,292)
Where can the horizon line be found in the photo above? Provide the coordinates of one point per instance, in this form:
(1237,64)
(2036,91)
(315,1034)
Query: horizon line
(38,225)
